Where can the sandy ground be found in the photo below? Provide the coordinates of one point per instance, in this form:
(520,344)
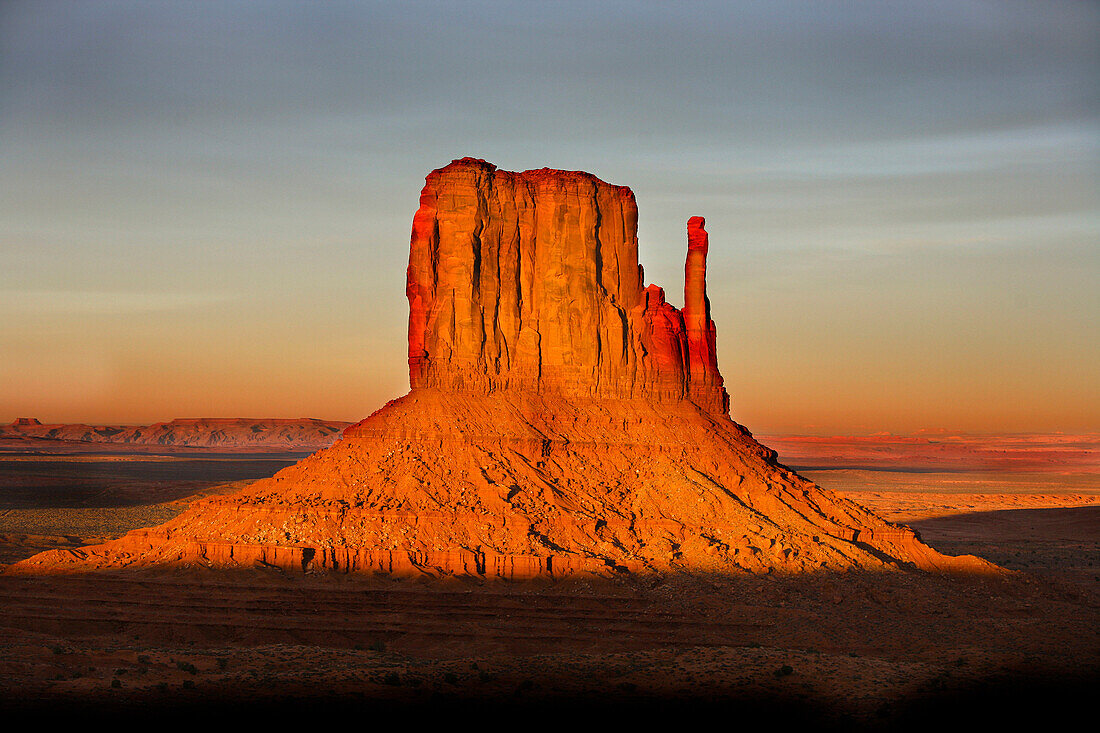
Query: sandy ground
(839,650)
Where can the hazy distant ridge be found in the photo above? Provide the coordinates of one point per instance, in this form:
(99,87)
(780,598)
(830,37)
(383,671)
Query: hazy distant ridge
(293,434)
(1078,453)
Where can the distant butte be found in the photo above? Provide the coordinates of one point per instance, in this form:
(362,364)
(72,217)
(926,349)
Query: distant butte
(563,419)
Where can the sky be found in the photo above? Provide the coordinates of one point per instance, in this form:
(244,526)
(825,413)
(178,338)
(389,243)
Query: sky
(205,207)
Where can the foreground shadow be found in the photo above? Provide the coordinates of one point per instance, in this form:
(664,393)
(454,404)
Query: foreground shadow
(1068,524)
(1010,701)
(841,649)
(1060,542)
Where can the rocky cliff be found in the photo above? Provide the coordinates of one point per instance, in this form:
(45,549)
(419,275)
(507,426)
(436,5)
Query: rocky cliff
(563,419)
(530,283)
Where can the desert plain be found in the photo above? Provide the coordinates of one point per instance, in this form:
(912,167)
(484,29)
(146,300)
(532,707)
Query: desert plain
(836,649)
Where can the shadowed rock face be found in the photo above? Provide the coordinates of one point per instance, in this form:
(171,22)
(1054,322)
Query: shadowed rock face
(563,419)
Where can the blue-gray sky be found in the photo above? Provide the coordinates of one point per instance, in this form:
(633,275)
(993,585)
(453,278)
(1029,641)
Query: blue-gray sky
(205,206)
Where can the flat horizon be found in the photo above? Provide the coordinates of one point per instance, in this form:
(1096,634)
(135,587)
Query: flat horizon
(930,433)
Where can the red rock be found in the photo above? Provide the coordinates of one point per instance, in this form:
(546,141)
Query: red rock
(562,419)
(530,282)
(705,382)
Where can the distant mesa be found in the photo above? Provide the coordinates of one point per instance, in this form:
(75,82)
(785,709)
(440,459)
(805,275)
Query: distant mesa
(564,419)
(241,434)
(942,451)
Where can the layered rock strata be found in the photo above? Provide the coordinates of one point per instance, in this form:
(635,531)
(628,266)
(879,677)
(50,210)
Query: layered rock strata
(563,419)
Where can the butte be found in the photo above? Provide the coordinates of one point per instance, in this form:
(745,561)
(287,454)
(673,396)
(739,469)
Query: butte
(563,419)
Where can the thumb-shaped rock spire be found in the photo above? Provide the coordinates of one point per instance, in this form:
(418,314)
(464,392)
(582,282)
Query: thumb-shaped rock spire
(702,356)
(696,304)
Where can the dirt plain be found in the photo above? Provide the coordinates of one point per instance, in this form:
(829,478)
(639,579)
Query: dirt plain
(837,650)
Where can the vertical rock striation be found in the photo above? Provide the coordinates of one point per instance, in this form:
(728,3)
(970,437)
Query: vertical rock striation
(530,282)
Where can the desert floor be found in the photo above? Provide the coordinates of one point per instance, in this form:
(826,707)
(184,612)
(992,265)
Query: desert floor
(839,650)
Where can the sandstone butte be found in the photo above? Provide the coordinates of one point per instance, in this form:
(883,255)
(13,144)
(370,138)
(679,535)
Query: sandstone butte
(563,418)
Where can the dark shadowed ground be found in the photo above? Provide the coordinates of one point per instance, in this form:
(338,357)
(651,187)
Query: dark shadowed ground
(822,650)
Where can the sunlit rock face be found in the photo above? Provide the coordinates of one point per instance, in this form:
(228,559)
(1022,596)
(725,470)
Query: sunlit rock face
(563,419)
(530,282)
